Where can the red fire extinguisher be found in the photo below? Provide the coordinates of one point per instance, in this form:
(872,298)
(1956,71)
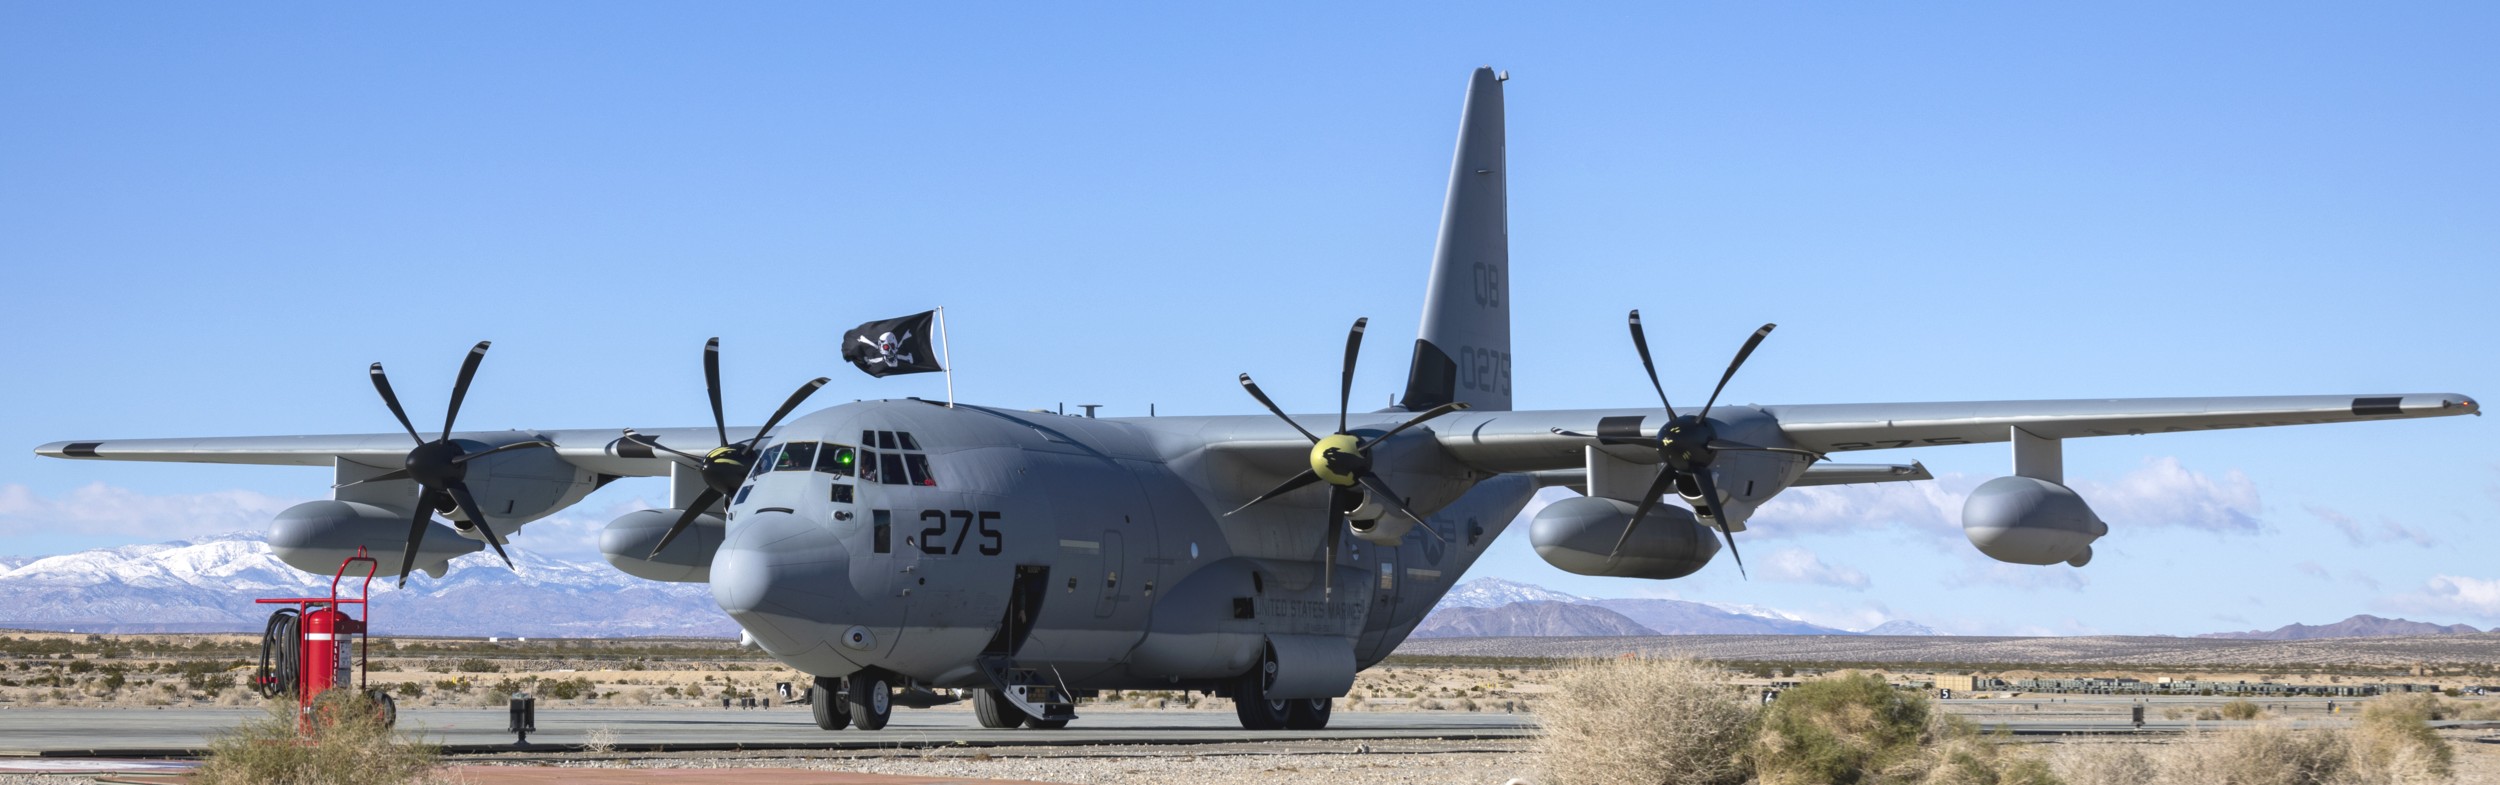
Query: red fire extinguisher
(316,647)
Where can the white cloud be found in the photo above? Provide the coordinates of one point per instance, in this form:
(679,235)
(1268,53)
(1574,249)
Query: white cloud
(2165,493)
(100,509)
(573,535)
(2314,570)
(1934,506)
(2451,594)
(2386,530)
(2162,492)
(2361,579)
(1798,565)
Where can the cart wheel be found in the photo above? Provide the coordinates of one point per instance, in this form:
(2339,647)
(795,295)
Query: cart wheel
(387,707)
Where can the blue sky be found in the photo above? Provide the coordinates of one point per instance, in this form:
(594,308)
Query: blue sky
(212,218)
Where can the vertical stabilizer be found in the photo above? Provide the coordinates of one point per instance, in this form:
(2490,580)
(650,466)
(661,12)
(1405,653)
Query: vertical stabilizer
(1463,351)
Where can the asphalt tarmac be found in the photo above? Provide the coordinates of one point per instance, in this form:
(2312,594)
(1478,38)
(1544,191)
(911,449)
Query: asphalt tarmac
(141,732)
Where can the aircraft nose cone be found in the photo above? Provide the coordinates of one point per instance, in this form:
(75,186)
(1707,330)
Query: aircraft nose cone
(784,579)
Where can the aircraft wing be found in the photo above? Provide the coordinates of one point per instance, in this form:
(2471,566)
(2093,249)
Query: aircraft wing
(600,449)
(1875,426)
(1534,441)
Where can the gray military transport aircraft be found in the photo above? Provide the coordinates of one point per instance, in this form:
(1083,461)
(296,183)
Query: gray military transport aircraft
(910,552)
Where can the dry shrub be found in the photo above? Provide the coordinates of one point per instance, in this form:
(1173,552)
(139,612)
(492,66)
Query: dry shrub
(2242,709)
(1644,722)
(2393,743)
(350,745)
(2107,764)
(2257,755)
(1963,757)
(1847,729)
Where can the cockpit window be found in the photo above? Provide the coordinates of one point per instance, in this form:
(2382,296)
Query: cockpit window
(867,466)
(885,440)
(764,463)
(908,442)
(837,460)
(890,469)
(799,456)
(918,465)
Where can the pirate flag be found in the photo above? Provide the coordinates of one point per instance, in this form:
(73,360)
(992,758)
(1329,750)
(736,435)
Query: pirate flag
(892,346)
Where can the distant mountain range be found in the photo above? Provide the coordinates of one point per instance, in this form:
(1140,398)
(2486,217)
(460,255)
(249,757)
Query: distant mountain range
(1492,607)
(208,584)
(2362,626)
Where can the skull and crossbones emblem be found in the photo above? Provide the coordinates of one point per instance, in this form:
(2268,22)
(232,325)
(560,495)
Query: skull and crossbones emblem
(889,350)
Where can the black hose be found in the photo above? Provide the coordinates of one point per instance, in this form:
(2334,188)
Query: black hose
(280,650)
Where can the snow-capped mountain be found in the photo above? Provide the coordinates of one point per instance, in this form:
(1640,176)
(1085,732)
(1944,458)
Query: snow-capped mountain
(1468,610)
(1495,593)
(209,584)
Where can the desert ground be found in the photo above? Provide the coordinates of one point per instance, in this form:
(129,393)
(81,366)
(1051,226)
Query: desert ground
(40,671)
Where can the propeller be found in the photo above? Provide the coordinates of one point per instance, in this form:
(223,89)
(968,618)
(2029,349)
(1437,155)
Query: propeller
(441,467)
(1688,443)
(1341,460)
(726,466)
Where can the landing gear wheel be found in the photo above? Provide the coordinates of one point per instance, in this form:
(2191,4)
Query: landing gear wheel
(992,708)
(1250,701)
(825,701)
(872,700)
(1038,723)
(1309,713)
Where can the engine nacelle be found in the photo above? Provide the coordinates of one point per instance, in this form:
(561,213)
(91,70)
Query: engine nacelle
(316,536)
(627,543)
(1385,530)
(1578,535)
(2024,520)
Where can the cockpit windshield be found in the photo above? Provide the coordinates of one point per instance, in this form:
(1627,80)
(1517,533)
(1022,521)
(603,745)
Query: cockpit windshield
(800,456)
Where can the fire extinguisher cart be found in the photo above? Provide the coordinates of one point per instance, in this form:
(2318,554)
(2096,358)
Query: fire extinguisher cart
(317,646)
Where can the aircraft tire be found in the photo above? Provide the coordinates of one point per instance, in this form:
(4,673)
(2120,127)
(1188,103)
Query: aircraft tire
(824,701)
(872,700)
(994,711)
(1309,714)
(1038,723)
(1251,705)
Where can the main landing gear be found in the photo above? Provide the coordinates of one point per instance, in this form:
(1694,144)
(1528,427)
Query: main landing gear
(1258,712)
(866,700)
(994,710)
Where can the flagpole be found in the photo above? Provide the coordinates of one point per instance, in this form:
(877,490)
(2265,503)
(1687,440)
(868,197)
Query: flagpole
(946,355)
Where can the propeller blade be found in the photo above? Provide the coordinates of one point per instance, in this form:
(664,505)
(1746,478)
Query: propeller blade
(1397,502)
(1345,393)
(1336,532)
(467,457)
(460,387)
(1453,406)
(1657,488)
(468,506)
(702,501)
(394,474)
(796,397)
(1297,483)
(1710,493)
(711,384)
(1640,342)
(382,384)
(1253,387)
(684,457)
(416,535)
(1732,365)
